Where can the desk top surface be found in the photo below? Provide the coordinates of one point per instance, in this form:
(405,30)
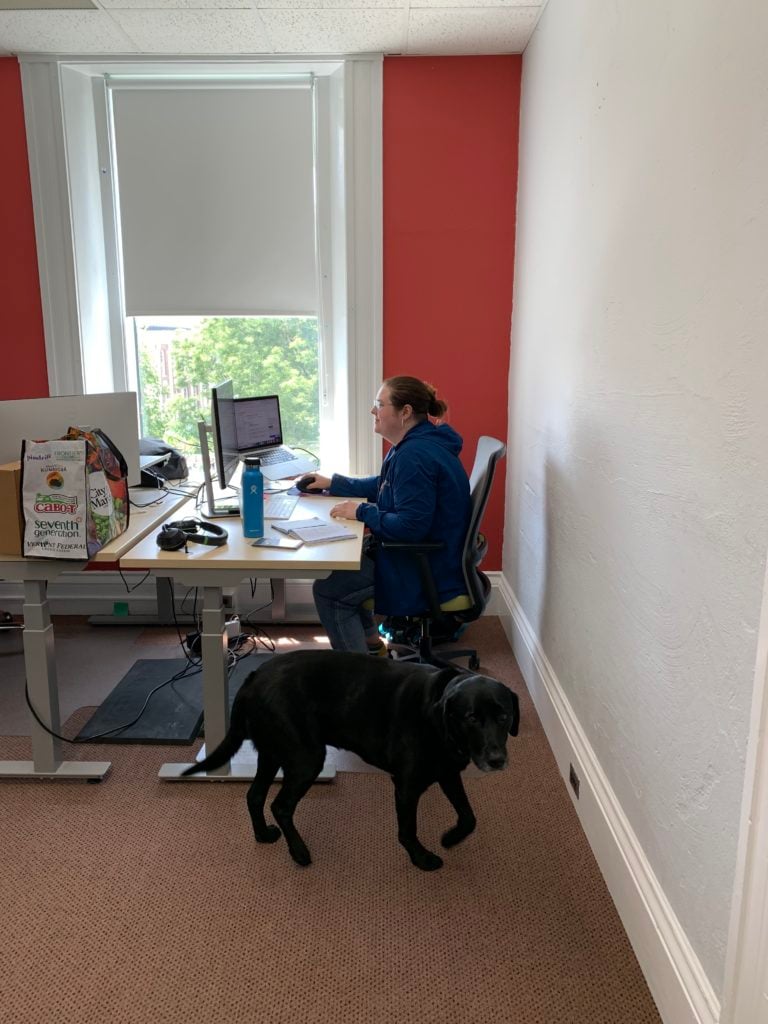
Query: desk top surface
(239,554)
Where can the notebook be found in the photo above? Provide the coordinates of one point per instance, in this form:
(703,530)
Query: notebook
(314,530)
(259,432)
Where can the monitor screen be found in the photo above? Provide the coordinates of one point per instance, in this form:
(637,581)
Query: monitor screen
(224,434)
(257,422)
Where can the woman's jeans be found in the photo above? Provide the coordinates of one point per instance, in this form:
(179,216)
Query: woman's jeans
(339,598)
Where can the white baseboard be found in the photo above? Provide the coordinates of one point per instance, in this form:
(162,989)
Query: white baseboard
(677,981)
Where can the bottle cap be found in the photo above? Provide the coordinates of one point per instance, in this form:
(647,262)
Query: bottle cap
(252,460)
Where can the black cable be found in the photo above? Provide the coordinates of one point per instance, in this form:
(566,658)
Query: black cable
(254,583)
(181,442)
(265,641)
(143,579)
(188,491)
(311,454)
(179,487)
(193,613)
(186,671)
(147,504)
(199,497)
(187,655)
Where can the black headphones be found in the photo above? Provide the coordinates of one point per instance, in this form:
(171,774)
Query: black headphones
(175,536)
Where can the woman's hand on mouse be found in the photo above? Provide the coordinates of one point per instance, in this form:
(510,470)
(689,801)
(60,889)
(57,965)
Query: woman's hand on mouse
(314,482)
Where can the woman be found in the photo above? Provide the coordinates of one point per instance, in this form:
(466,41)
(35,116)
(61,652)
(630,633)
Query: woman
(420,494)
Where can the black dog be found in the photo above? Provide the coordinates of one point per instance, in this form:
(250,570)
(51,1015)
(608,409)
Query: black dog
(420,724)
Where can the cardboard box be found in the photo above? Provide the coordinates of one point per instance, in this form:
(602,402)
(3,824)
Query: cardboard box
(11,523)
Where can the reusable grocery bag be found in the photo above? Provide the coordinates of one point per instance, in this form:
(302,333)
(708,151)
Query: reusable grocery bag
(74,494)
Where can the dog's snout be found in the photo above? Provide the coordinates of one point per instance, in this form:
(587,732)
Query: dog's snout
(497,761)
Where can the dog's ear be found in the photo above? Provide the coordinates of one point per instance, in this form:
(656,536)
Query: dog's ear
(514,725)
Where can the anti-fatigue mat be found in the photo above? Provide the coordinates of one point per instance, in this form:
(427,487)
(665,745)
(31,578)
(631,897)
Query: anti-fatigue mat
(173,714)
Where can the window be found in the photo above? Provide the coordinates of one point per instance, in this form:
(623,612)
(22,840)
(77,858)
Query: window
(92,318)
(180,358)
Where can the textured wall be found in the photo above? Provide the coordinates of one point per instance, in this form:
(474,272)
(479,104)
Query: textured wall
(21,319)
(638,486)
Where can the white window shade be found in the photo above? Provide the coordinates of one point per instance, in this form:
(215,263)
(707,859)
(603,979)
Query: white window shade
(216,199)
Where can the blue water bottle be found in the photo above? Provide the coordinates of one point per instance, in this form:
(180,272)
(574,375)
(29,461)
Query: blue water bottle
(252,498)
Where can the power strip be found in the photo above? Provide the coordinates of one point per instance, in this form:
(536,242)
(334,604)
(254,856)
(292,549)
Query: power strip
(232,627)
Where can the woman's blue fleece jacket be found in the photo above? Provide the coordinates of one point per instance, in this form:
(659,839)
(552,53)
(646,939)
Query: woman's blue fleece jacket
(421,494)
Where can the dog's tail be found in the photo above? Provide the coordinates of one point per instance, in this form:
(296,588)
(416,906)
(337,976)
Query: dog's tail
(225,751)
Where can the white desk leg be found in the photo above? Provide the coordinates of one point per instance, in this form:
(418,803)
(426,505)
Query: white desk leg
(215,688)
(278,600)
(40,664)
(215,694)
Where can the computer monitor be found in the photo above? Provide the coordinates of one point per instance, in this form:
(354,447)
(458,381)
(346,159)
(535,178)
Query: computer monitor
(224,434)
(257,422)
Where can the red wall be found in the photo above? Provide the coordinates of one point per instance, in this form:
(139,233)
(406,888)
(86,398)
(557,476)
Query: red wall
(450,187)
(21,320)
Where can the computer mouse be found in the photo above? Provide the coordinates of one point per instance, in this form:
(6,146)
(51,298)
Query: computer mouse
(303,483)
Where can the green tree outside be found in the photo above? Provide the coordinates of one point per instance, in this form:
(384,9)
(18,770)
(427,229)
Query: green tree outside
(152,394)
(261,355)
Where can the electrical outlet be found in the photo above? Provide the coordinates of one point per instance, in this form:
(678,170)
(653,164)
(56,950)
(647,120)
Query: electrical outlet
(228,601)
(573,778)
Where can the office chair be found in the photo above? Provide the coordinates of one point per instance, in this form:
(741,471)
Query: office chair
(469,606)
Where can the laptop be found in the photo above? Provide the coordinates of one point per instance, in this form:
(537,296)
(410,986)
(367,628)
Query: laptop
(259,432)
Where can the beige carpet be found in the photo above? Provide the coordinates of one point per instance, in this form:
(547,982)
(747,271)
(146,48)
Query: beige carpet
(141,901)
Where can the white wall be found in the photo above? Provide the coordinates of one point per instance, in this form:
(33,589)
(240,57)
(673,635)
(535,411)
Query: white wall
(637,501)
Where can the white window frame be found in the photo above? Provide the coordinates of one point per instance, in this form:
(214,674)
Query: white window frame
(76,227)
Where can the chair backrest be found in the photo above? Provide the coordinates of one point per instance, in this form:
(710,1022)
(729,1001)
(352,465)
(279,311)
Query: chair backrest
(489,452)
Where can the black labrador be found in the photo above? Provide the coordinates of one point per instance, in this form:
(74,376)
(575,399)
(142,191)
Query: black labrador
(420,724)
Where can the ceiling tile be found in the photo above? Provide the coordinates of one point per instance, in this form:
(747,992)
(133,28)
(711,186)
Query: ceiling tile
(336,31)
(61,32)
(53,5)
(470,30)
(322,5)
(195,31)
(529,5)
(171,5)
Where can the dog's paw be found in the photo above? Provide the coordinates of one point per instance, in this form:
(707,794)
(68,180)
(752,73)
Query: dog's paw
(302,857)
(270,834)
(427,861)
(454,835)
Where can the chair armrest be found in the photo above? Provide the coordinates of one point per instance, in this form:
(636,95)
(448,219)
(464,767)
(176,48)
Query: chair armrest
(414,546)
(420,551)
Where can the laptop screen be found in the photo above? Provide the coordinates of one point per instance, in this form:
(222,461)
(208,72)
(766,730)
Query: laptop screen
(257,423)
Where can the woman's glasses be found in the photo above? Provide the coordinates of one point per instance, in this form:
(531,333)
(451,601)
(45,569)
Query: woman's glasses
(378,404)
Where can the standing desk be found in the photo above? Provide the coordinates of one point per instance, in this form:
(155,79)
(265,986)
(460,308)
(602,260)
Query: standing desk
(38,640)
(211,569)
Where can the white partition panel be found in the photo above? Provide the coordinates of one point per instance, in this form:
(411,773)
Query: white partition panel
(44,418)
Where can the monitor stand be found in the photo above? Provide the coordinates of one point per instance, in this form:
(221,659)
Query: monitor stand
(213,511)
(225,506)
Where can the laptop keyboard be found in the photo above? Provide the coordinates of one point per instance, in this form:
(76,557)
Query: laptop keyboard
(277,455)
(279,506)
